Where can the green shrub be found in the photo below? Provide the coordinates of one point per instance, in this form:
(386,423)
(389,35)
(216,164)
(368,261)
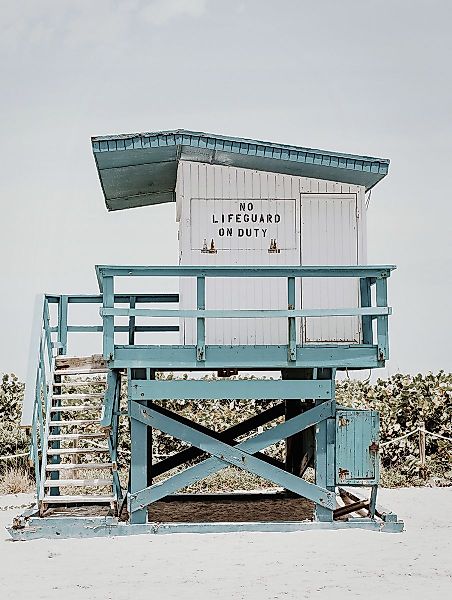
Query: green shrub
(13,438)
(404,401)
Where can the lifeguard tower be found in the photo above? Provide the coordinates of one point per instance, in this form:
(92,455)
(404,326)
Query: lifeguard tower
(272,277)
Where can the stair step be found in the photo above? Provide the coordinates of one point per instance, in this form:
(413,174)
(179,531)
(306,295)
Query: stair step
(77,436)
(75,408)
(58,451)
(94,361)
(77,483)
(74,466)
(83,382)
(77,499)
(79,371)
(77,396)
(74,422)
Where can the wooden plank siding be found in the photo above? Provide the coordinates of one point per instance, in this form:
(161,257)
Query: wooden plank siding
(322,222)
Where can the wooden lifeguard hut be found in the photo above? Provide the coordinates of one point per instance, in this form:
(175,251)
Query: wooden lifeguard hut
(272,276)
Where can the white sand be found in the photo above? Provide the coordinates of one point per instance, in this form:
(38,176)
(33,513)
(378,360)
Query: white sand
(313,564)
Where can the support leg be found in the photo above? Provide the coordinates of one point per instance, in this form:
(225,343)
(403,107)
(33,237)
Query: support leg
(140,375)
(299,447)
(138,465)
(324,462)
(373,501)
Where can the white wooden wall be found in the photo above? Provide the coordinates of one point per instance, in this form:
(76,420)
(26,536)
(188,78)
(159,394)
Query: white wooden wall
(321,222)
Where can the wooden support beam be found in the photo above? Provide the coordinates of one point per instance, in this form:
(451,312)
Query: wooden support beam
(228,436)
(350,508)
(223,454)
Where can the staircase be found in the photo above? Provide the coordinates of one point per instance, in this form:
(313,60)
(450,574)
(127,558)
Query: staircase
(77,466)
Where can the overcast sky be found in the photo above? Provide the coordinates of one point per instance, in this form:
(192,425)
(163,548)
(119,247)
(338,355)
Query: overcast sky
(359,76)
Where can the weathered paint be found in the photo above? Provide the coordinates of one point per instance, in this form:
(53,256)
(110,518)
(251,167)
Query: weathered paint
(64,528)
(140,169)
(357,453)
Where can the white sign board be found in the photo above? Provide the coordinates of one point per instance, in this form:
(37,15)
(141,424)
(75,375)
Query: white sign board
(262,225)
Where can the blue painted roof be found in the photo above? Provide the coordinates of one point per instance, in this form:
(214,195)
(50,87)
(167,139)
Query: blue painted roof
(141,168)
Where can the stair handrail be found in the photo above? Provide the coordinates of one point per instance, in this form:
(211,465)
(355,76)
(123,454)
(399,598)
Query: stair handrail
(37,388)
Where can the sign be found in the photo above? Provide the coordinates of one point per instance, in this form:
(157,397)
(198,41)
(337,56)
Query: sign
(228,224)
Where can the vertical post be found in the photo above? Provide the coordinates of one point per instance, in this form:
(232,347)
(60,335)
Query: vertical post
(373,501)
(138,456)
(325,457)
(62,325)
(292,332)
(132,303)
(48,335)
(138,466)
(108,322)
(382,321)
(366,321)
(422,455)
(200,321)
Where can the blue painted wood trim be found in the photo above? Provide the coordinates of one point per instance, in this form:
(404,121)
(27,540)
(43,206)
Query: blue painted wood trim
(237,145)
(131,327)
(200,320)
(366,321)
(62,324)
(119,298)
(229,389)
(138,466)
(245,357)
(201,313)
(85,527)
(240,271)
(382,321)
(240,455)
(119,328)
(323,455)
(292,329)
(108,321)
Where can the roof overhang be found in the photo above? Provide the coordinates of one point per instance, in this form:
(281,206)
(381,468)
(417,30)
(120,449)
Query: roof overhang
(141,169)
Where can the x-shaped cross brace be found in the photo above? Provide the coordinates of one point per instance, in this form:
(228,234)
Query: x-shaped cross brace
(223,454)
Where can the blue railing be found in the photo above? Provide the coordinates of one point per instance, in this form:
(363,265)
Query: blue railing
(49,339)
(368,276)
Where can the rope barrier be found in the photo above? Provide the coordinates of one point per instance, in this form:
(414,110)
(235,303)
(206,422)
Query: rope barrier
(437,435)
(406,435)
(8,456)
(417,430)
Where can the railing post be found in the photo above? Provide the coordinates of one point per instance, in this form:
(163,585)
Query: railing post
(132,303)
(292,328)
(382,321)
(108,297)
(366,322)
(62,325)
(48,335)
(200,321)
